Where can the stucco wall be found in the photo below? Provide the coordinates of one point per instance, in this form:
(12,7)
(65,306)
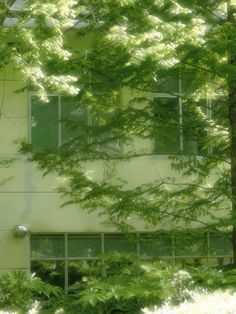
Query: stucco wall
(29,199)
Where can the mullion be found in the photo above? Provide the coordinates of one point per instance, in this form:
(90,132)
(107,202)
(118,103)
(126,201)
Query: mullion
(66,259)
(180,103)
(66,262)
(59,121)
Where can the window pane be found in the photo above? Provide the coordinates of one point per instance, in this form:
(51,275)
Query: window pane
(190,245)
(84,245)
(220,262)
(52,272)
(220,245)
(44,123)
(191,262)
(155,247)
(166,83)
(47,246)
(79,271)
(190,80)
(166,125)
(195,127)
(74,120)
(118,242)
(103,137)
(220,109)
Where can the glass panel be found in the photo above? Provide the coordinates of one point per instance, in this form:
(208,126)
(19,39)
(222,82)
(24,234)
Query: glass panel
(44,123)
(166,125)
(191,245)
(195,127)
(74,120)
(118,242)
(159,262)
(191,262)
(220,109)
(155,247)
(103,136)
(79,271)
(220,262)
(52,272)
(84,245)
(189,80)
(47,246)
(220,245)
(166,83)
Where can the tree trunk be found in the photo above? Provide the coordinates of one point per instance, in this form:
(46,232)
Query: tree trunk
(232,126)
(232,115)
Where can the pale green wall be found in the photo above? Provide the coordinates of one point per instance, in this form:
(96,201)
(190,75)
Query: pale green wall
(14,253)
(30,199)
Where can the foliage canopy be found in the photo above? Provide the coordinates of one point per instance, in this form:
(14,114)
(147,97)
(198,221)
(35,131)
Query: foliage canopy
(138,51)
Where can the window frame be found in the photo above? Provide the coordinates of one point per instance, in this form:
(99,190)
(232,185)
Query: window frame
(89,122)
(173,258)
(180,121)
(179,94)
(59,122)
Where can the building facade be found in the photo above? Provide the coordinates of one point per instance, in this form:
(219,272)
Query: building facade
(39,236)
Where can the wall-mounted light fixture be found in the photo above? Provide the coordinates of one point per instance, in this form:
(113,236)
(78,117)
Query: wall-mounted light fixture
(20,231)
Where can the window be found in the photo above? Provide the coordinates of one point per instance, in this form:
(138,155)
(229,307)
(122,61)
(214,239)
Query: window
(191,250)
(155,247)
(47,128)
(117,242)
(63,259)
(60,120)
(166,111)
(175,128)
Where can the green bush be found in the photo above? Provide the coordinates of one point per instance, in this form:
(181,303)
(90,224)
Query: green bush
(18,293)
(121,284)
(213,279)
(115,284)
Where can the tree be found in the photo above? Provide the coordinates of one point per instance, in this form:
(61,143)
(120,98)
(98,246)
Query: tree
(30,50)
(138,47)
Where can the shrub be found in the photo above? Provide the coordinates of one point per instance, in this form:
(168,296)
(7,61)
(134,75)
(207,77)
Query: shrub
(213,279)
(124,285)
(115,284)
(20,294)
